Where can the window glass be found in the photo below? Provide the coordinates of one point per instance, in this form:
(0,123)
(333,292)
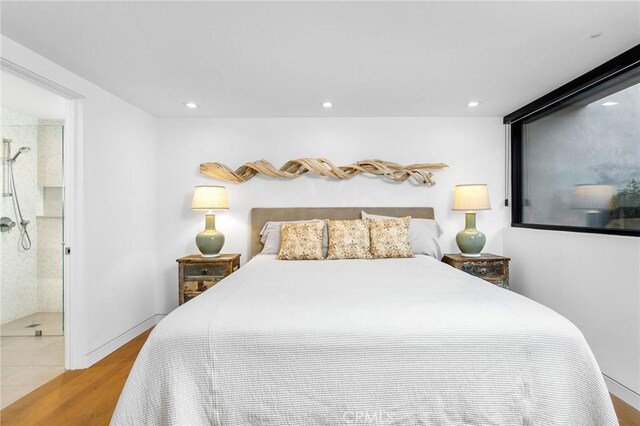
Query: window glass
(581,159)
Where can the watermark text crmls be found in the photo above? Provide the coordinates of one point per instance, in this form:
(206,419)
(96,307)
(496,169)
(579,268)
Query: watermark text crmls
(367,417)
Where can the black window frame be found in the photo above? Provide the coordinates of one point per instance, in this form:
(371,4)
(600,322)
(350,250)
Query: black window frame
(598,76)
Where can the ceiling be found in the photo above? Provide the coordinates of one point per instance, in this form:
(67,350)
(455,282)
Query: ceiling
(22,96)
(283,59)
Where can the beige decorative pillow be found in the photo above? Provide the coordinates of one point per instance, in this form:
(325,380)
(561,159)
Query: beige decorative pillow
(389,237)
(348,239)
(301,241)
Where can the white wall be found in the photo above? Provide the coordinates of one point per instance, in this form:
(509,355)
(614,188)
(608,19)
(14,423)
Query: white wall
(110,294)
(594,281)
(473,148)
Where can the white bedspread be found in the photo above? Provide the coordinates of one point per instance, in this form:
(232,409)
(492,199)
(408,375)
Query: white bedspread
(394,341)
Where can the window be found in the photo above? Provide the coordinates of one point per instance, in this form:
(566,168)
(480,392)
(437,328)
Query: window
(576,153)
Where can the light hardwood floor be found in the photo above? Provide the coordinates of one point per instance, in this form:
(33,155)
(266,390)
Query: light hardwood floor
(88,397)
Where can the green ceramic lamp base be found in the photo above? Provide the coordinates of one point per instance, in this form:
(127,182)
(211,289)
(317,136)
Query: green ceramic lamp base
(210,241)
(470,241)
(466,254)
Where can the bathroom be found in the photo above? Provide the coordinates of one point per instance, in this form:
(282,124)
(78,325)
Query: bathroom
(31,225)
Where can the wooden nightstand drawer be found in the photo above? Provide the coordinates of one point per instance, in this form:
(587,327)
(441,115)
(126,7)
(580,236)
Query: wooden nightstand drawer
(483,270)
(206,272)
(197,274)
(489,267)
(193,289)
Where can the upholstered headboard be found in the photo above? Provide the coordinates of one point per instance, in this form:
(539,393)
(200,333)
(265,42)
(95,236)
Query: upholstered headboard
(260,216)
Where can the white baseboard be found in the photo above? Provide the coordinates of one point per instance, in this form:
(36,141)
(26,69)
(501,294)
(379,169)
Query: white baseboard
(104,350)
(622,392)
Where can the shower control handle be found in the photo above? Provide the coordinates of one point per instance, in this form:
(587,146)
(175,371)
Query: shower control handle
(6,224)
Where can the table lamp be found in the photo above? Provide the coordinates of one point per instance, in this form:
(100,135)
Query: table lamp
(469,198)
(593,198)
(210,198)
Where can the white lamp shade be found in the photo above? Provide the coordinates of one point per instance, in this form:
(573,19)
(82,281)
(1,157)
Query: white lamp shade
(593,197)
(210,197)
(471,197)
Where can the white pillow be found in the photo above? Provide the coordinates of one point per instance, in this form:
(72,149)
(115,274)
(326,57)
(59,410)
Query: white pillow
(270,237)
(423,235)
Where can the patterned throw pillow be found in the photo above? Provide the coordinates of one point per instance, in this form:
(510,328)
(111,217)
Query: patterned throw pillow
(301,241)
(348,239)
(389,237)
(270,237)
(424,235)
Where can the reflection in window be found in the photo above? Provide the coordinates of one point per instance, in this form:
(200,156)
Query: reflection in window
(581,159)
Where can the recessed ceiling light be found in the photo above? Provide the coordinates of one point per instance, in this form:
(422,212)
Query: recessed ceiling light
(609,103)
(473,104)
(327,104)
(595,35)
(191,105)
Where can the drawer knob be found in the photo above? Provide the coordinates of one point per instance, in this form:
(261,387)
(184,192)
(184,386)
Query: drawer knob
(204,271)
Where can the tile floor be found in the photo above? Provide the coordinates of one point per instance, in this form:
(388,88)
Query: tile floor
(26,361)
(50,323)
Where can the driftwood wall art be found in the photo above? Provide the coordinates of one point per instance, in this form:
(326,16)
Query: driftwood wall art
(418,173)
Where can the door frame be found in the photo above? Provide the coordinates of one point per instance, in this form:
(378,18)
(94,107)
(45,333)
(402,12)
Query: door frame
(74,313)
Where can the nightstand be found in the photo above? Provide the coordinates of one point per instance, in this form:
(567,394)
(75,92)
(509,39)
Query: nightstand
(196,274)
(487,266)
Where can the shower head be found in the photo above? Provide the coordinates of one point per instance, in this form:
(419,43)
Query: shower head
(22,149)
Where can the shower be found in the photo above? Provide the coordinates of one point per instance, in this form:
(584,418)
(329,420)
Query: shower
(22,149)
(11,191)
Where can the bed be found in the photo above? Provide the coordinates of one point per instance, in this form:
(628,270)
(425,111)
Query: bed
(388,341)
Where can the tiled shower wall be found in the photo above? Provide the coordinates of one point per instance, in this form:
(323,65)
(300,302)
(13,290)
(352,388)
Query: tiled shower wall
(31,281)
(19,287)
(50,216)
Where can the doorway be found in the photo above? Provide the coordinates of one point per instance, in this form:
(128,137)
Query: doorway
(32,237)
